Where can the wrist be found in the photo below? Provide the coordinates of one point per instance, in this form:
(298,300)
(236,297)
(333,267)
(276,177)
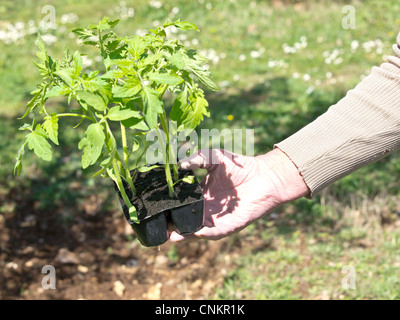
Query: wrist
(284,174)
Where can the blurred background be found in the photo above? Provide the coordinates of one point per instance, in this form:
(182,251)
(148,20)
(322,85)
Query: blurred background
(279,64)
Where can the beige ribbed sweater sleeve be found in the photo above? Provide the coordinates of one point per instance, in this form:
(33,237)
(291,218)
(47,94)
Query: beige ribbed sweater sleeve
(360,129)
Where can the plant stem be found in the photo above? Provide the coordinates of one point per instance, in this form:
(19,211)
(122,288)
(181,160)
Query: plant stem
(166,165)
(128,176)
(131,208)
(169,149)
(73,115)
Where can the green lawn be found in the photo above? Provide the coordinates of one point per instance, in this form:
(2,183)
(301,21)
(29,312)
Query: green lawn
(279,64)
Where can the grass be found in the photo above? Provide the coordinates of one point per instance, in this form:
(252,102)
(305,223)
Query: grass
(280,65)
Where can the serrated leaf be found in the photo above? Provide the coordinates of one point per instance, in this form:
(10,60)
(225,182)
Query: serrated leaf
(184,25)
(130,88)
(113,74)
(118,114)
(135,123)
(92,99)
(177,60)
(152,106)
(202,74)
(38,143)
(57,91)
(179,106)
(137,46)
(194,113)
(33,103)
(51,127)
(18,162)
(193,63)
(77,63)
(42,53)
(26,126)
(165,78)
(92,144)
(65,75)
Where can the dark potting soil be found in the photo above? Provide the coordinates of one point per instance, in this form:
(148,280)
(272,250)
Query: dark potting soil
(152,195)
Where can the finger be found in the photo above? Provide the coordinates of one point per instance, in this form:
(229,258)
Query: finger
(202,159)
(176,237)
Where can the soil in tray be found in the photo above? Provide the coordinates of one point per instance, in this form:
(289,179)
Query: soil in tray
(152,194)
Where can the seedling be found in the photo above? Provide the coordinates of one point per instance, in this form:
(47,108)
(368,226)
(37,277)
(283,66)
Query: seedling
(129,90)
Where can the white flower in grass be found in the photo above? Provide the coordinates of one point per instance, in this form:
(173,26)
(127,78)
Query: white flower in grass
(242,57)
(354,45)
(49,38)
(255,54)
(175,10)
(156,4)
(296,75)
(69,18)
(306,77)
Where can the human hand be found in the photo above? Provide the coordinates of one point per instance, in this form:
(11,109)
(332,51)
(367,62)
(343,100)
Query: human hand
(238,189)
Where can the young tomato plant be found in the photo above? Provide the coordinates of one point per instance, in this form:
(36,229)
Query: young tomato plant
(129,90)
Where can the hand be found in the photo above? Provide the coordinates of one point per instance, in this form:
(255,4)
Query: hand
(238,189)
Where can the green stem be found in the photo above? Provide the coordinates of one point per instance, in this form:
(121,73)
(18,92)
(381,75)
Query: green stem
(131,209)
(169,149)
(73,115)
(128,176)
(166,165)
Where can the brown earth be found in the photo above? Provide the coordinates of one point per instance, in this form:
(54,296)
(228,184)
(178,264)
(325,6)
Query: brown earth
(95,256)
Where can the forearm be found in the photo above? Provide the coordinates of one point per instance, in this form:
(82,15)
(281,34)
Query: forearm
(360,129)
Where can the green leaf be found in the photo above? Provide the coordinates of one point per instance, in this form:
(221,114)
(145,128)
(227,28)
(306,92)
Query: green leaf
(194,113)
(18,163)
(26,126)
(130,88)
(51,127)
(92,99)
(57,91)
(188,179)
(193,63)
(42,53)
(145,168)
(113,74)
(177,60)
(135,145)
(118,114)
(135,123)
(105,24)
(35,101)
(165,78)
(92,144)
(184,25)
(179,106)
(77,63)
(37,142)
(152,106)
(65,75)
(137,46)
